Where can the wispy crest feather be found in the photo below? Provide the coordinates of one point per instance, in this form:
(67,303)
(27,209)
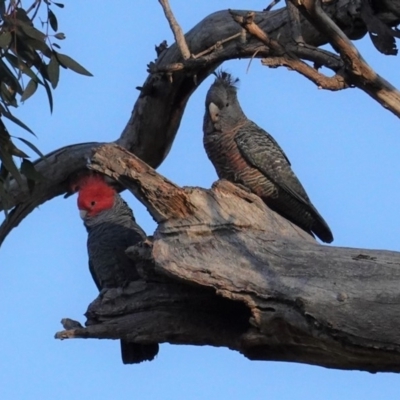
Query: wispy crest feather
(226,79)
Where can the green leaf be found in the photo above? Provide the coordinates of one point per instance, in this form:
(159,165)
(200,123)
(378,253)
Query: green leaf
(27,71)
(56,45)
(31,174)
(14,150)
(68,62)
(53,20)
(49,95)
(60,36)
(53,70)
(5,198)
(2,8)
(5,39)
(11,117)
(32,32)
(9,164)
(29,90)
(33,44)
(31,146)
(7,95)
(28,169)
(4,70)
(22,16)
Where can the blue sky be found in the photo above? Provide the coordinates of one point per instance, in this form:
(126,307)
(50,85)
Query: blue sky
(343,146)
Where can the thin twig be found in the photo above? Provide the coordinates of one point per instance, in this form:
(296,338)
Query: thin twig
(216,46)
(251,59)
(334,83)
(176,29)
(247,22)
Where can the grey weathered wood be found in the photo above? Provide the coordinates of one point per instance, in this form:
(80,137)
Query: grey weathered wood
(224,270)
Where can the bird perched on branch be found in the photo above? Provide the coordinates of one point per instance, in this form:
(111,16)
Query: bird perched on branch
(244,153)
(111,229)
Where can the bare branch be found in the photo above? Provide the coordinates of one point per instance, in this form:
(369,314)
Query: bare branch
(176,29)
(334,83)
(247,22)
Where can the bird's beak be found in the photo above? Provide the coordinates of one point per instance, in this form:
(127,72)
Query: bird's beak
(82,213)
(213,110)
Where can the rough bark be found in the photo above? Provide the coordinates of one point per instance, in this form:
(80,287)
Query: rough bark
(173,79)
(224,270)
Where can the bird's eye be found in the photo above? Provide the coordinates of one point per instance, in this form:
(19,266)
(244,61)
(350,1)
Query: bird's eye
(92,203)
(227,105)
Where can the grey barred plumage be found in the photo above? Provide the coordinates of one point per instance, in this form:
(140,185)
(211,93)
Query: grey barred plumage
(110,233)
(244,153)
(111,228)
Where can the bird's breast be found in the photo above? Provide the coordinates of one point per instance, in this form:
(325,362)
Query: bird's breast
(223,152)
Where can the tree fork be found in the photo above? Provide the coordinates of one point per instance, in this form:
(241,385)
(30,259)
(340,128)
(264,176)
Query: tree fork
(224,270)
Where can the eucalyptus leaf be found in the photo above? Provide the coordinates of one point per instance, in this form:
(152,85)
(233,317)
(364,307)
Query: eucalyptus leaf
(15,151)
(5,39)
(53,70)
(49,95)
(9,164)
(5,71)
(68,62)
(2,8)
(7,96)
(28,169)
(32,32)
(22,16)
(11,117)
(38,45)
(53,20)
(27,71)
(5,198)
(29,90)
(31,146)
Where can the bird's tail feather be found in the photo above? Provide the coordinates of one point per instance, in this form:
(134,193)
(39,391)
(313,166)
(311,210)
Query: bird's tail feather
(135,353)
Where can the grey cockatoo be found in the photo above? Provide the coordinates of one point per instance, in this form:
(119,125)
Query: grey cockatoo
(244,153)
(111,228)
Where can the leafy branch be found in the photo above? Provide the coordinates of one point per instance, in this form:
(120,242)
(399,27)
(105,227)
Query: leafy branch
(29,58)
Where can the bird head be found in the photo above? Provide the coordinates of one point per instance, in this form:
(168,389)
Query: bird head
(94,196)
(222,106)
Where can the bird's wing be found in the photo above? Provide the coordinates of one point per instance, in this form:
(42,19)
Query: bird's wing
(261,150)
(93,273)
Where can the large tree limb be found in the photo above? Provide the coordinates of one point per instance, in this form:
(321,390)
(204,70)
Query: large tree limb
(225,270)
(215,39)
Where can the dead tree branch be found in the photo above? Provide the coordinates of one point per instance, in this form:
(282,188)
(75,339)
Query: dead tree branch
(176,29)
(281,56)
(224,270)
(361,74)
